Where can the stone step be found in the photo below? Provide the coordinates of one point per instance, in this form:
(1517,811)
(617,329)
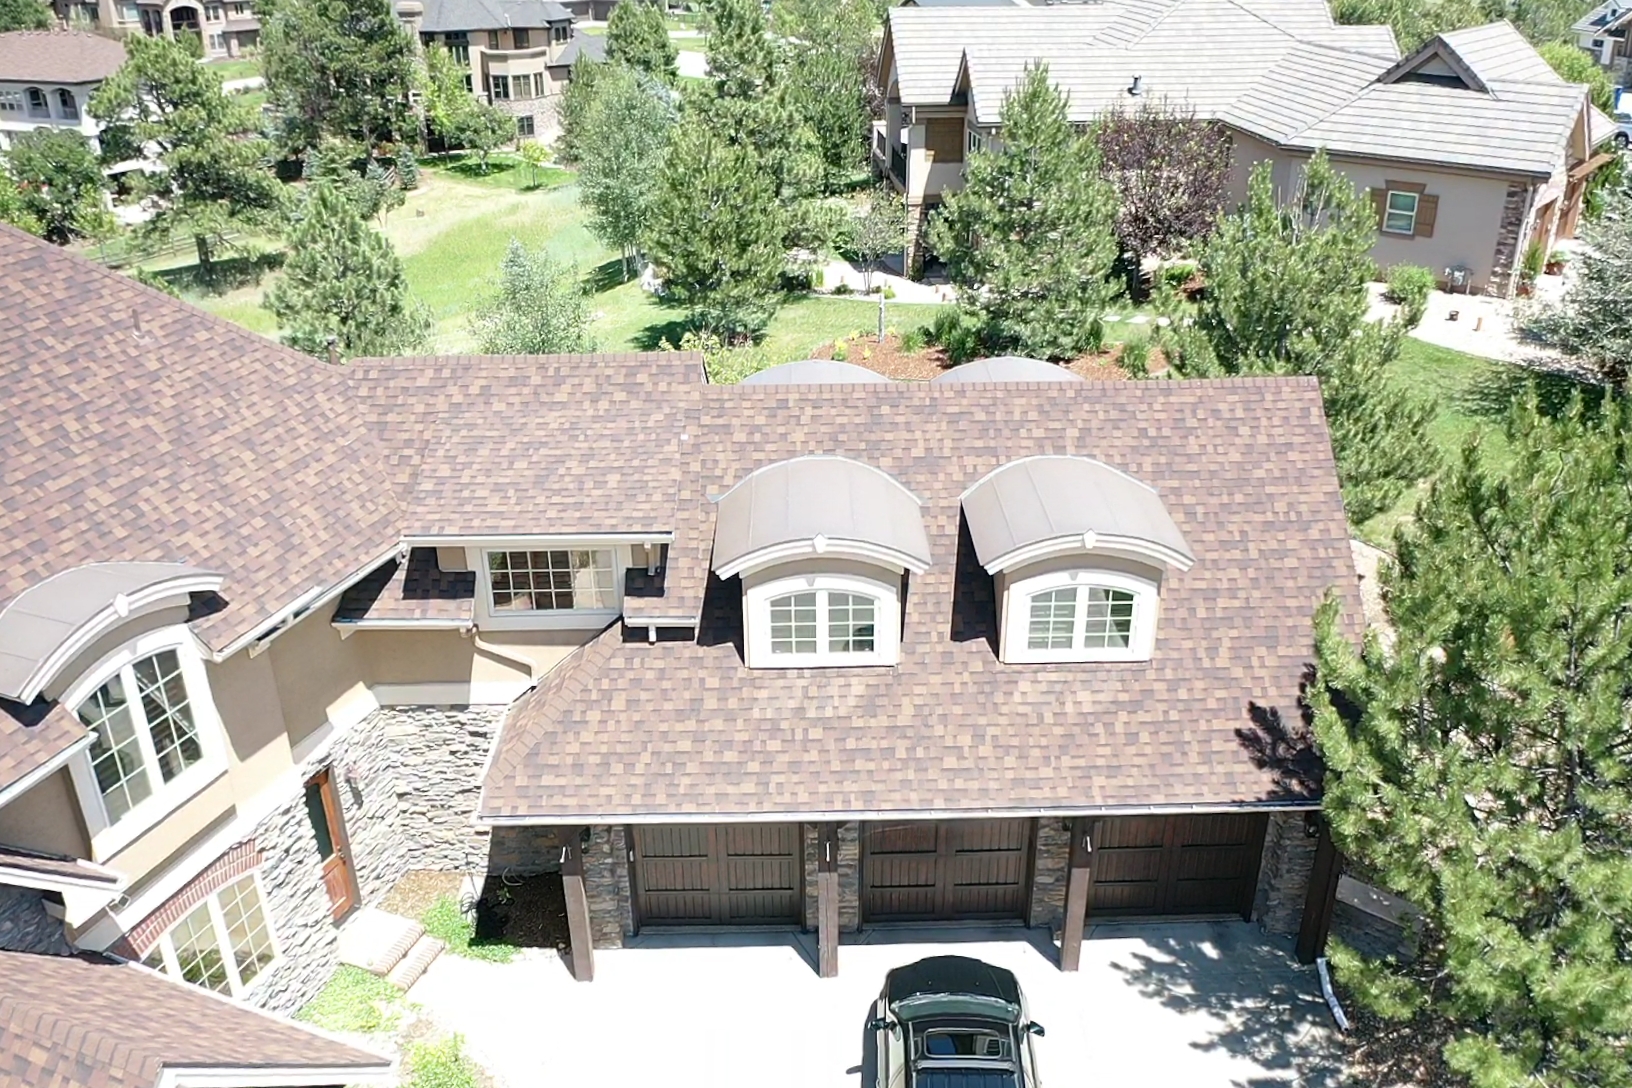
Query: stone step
(411,966)
(377,940)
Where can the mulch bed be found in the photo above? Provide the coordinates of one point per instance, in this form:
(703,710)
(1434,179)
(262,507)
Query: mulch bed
(418,891)
(528,911)
(890,360)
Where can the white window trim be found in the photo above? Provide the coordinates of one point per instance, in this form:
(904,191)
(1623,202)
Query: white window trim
(166,945)
(757,622)
(108,838)
(557,619)
(1388,210)
(1017,617)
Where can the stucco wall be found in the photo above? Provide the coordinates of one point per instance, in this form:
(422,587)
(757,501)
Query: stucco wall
(316,670)
(47,818)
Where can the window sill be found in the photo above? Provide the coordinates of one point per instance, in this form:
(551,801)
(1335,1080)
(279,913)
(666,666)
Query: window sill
(822,661)
(564,620)
(153,811)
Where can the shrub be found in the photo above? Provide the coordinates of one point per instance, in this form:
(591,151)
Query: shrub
(1134,358)
(1177,275)
(1534,258)
(889,292)
(913,340)
(958,331)
(352,1000)
(841,351)
(407,168)
(1408,286)
(439,1065)
(448,924)
(841,288)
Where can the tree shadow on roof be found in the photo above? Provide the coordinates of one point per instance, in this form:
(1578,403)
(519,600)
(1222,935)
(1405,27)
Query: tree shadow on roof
(1286,748)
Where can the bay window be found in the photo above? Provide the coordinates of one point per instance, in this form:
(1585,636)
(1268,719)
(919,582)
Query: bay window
(223,944)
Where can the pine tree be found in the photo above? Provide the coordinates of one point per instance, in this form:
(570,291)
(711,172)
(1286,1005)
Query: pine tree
(638,37)
(342,280)
(539,308)
(25,15)
(60,183)
(576,102)
(716,232)
(1287,294)
(1594,320)
(741,58)
(1481,766)
(829,57)
(216,177)
(340,68)
(1029,241)
(621,145)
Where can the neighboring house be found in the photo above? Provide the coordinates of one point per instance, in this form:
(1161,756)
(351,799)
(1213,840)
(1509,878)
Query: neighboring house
(1602,32)
(1024,649)
(224,27)
(519,53)
(48,76)
(1471,148)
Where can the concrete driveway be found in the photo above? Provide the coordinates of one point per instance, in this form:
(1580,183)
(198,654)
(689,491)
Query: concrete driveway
(1185,1005)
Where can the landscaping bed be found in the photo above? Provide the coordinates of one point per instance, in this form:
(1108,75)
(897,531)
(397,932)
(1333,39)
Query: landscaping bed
(906,363)
(525,912)
(418,891)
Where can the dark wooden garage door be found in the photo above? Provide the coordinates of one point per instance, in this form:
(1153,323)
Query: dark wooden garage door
(718,874)
(1175,864)
(951,869)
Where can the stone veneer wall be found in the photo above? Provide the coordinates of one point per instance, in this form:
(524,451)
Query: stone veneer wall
(606,885)
(25,925)
(1283,875)
(524,851)
(1049,865)
(1504,263)
(849,867)
(407,803)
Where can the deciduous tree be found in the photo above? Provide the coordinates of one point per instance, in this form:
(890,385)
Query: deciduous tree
(1029,240)
(880,229)
(622,142)
(1593,321)
(215,176)
(343,281)
(638,37)
(1287,294)
(716,234)
(1481,767)
(1575,65)
(539,308)
(25,15)
(338,68)
(60,184)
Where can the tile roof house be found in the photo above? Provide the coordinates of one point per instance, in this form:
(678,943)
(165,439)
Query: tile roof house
(47,77)
(273,632)
(1602,32)
(1472,148)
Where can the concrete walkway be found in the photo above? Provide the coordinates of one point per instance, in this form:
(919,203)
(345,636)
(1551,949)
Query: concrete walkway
(1183,1005)
(691,64)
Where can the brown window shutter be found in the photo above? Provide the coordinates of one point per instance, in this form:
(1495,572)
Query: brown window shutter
(1427,210)
(1379,204)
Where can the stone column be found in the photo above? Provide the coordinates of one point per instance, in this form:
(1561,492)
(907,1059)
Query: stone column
(1047,907)
(1510,241)
(849,877)
(1283,876)
(606,884)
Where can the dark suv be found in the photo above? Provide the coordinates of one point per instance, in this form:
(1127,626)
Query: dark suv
(954,1022)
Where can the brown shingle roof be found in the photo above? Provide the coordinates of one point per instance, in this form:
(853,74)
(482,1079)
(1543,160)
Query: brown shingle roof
(141,428)
(415,591)
(33,735)
(58,56)
(33,863)
(626,729)
(86,1020)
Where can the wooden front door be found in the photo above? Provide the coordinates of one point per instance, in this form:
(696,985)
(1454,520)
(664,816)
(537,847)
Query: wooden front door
(946,870)
(323,808)
(719,874)
(1144,865)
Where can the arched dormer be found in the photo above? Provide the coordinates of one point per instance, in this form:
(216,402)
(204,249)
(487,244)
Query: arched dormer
(816,372)
(1078,550)
(821,545)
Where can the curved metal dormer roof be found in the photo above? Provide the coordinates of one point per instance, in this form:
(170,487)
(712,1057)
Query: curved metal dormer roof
(1008,368)
(818,505)
(47,625)
(816,372)
(1039,507)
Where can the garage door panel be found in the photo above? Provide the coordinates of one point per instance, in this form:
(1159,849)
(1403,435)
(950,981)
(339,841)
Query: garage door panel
(667,875)
(761,874)
(1211,863)
(916,838)
(1122,899)
(1191,864)
(1206,897)
(734,874)
(1131,832)
(945,870)
(760,840)
(1118,866)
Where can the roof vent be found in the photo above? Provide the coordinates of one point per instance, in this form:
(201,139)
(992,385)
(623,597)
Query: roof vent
(1137,87)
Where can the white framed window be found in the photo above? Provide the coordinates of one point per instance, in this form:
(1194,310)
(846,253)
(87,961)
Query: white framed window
(500,87)
(214,13)
(1079,615)
(127,12)
(977,142)
(223,944)
(821,619)
(11,101)
(553,580)
(156,737)
(68,103)
(1400,213)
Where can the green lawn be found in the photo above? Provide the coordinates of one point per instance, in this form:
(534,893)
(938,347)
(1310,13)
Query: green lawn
(242,68)
(504,171)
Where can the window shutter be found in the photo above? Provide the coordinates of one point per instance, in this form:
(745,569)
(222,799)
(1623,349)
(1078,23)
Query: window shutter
(1379,204)
(1427,210)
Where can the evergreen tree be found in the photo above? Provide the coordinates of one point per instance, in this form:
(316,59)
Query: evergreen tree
(1287,294)
(829,57)
(741,58)
(621,146)
(1030,240)
(1481,766)
(576,102)
(539,308)
(25,15)
(60,183)
(339,68)
(638,37)
(216,176)
(716,232)
(1594,320)
(342,280)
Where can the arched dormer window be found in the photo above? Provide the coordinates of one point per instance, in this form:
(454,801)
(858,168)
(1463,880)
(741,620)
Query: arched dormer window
(821,545)
(1078,551)
(38,104)
(68,104)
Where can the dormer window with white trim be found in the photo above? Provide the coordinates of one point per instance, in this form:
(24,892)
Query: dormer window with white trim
(825,614)
(1078,551)
(553,580)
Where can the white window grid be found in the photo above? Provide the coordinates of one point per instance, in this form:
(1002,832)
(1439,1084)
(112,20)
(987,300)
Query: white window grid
(823,621)
(1400,212)
(1053,619)
(1081,618)
(851,623)
(552,580)
(793,624)
(223,944)
(144,743)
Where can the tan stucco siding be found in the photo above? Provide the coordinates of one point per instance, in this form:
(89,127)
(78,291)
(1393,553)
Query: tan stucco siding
(176,831)
(246,696)
(413,657)
(315,671)
(46,818)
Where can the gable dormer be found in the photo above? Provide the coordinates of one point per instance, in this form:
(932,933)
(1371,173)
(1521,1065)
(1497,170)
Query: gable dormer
(1436,62)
